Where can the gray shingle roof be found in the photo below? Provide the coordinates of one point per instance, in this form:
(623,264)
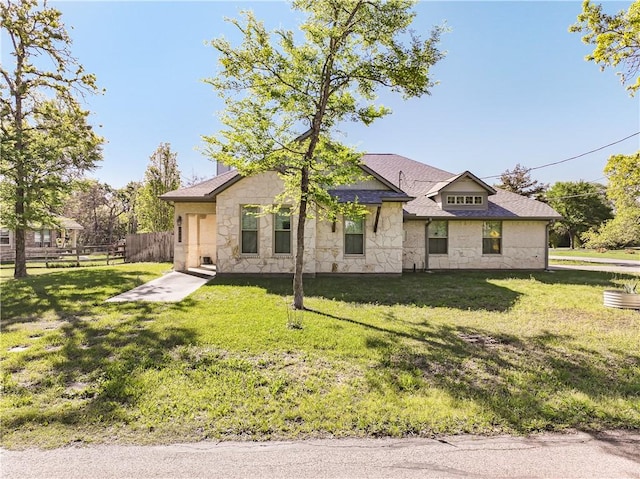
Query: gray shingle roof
(502,205)
(203,190)
(418,180)
(411,177)
(369,197)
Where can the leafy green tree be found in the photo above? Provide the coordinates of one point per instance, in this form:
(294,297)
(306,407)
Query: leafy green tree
(519,181)
(621,231)
(162,175)
(101,209)
(616,40)
(46,139)
(286,94)
(129,197)
(623,173)
(582,206)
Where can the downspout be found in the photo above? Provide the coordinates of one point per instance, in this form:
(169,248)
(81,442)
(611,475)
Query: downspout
(426,244)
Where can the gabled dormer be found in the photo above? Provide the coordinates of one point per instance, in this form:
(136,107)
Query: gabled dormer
(461,192)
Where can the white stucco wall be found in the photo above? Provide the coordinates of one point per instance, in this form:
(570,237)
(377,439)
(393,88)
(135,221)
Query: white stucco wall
(198,234)
(382,249)
(523,247)
(256,190)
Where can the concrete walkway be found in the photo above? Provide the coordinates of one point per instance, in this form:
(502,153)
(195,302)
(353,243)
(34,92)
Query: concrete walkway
(170,288)
(615,454)
(599,264)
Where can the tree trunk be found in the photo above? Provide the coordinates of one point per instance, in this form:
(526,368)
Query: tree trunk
(20,270)
(298,292)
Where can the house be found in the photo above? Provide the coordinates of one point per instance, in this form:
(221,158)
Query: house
(419,218)
(40,239)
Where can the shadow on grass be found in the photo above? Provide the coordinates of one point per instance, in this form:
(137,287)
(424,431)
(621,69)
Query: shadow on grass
(92,357)
(532,384)
(64,293)
(464,290)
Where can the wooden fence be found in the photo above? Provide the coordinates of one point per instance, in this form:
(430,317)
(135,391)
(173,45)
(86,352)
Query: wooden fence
(53,257)
(155,247)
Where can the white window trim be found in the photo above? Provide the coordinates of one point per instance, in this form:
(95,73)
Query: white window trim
(501,238)
(461,200)
(429,237)
(9,236)
(344,239)
(257,230)
(290,253)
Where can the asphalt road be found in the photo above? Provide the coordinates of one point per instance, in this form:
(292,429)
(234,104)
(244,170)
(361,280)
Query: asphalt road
(579,455)
(597,264)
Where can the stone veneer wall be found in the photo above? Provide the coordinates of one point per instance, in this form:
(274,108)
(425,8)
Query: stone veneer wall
(523,247)
(198,234)
(256,190)
(382,250)
(414,245)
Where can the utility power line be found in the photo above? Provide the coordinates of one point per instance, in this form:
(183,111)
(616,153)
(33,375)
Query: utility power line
(573,157)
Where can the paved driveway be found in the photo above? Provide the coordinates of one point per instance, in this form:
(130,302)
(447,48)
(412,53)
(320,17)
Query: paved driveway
(171,287)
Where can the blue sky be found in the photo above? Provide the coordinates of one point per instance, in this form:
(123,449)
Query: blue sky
(514,87)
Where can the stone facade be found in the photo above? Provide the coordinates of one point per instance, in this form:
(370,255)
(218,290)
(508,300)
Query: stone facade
(523,246)
(257,190)
(382,248)
(212,229)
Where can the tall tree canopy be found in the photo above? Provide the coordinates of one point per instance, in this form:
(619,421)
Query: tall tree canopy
(286,93)
(519,181)
(582,206)
(616,40)
(46,139)
(102,210)
(162,175)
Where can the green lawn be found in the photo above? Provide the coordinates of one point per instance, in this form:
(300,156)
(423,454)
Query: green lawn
(630,254)
(424,354)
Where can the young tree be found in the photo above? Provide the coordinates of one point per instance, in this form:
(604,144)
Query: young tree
(616,39)
(162,175)
(46,139)
(286,94)
(519,181)
(582,206)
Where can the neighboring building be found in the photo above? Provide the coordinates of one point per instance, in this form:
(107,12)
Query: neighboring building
(40,239)
(419,218)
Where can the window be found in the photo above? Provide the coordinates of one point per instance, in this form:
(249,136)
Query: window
(42,238)
(282,231)
(492,237)
(249,238)
(354,236)
(5,236)
(438,237)
(464,200)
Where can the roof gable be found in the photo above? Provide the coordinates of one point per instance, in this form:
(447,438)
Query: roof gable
(451,182)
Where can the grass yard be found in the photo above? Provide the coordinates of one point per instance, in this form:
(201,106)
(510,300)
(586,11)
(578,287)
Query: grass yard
(424,354)
(628,254)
